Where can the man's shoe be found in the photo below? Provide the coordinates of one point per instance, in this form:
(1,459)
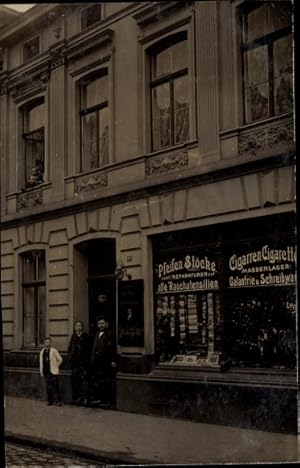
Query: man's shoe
(58,403)
(49,403)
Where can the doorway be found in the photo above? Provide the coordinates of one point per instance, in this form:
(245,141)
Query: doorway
(95,283)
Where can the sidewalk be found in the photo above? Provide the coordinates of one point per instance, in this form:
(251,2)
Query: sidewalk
(117,437)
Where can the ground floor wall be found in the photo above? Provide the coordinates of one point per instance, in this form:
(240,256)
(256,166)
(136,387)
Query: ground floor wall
(132,225)
(265,407)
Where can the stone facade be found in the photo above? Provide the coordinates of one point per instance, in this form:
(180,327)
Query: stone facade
(225,172)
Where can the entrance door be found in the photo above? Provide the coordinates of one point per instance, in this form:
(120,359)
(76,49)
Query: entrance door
(102,301)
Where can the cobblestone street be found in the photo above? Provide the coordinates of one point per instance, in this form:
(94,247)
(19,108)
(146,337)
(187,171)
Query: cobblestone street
(17,455)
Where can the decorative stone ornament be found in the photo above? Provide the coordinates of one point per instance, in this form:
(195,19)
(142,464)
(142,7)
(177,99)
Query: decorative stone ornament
(166,163)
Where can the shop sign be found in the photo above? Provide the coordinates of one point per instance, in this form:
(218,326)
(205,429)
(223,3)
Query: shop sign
(131,313)
(265,266)
(189,273)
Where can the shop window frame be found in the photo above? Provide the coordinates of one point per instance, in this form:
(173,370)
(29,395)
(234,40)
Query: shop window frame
(224,245)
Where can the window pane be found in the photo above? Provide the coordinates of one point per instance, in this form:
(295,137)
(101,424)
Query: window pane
(36,118)
(256,65)
(181,109)
(29,270)
(40,265)
(283,78)
(34,158)
(268,18)
(41,313)
(90,16)
(31,48)
(262,328)
(104,136)
(89,141)
(257,103)
(257,86)
(96,92)
(182,326)
(29,317)
(170,60)
(161,116)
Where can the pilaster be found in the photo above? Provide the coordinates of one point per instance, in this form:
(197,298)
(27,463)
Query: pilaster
(207,78)
(57,127)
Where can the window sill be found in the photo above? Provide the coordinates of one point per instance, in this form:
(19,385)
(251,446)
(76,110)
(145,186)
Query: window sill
(170,149)
(238,377)
(257,124)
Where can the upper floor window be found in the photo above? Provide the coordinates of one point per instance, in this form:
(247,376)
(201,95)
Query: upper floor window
(90,15)
(94,115)
(31,48)
(169,92)
(34,298)
(34,139)
(267,59)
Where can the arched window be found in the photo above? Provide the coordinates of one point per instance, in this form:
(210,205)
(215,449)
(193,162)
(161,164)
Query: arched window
(169,91)
(94,116)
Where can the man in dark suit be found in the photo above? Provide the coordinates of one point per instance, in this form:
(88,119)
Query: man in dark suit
(78,355)
(103,363)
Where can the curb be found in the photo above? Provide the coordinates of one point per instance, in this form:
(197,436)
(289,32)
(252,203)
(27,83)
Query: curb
(86,453)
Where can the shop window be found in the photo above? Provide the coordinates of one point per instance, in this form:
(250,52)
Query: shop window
(230,300)
(34,298)
(31,48)
(267,59)
(34,143)
(187,307)
(170,106)
(90,15)
(261,327)
(94,116)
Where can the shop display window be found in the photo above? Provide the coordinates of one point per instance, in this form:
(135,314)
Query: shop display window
(184,325)
(229,301)
(261,327)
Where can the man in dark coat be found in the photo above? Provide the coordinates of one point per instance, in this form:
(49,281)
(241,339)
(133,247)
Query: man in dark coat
(79,354)
(103,362)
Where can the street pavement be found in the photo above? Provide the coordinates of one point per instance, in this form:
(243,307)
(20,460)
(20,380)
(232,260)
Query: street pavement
(18,456)
(116,437)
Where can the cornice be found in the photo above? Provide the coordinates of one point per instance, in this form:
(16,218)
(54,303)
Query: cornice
(155,11)
(152,186)
(84,43)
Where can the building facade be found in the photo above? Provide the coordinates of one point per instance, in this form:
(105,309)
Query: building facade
(147,171)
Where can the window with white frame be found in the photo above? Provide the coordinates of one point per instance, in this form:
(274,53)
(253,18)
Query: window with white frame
(169,85)
(34,142)
(34,298)
(94,117)
(267,59)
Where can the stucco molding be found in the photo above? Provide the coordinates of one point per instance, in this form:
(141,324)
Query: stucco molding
(155,11)
(90,183)
(29,200)
(267,139)
(166,163)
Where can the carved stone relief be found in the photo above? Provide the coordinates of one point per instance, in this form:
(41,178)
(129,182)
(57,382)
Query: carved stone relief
(89,183)
(166,163)
(265,140)
(29,200)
